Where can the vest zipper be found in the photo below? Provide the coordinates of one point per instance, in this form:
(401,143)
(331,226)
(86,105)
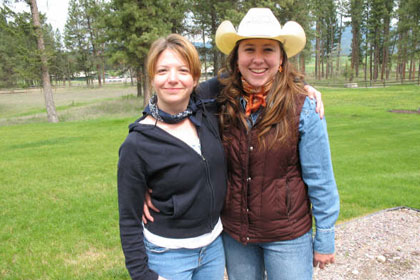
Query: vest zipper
(248,186)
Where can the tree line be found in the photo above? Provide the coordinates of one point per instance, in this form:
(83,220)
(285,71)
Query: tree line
(114,36)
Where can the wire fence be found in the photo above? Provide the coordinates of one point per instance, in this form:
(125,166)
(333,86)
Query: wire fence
(333,83)
(363,83)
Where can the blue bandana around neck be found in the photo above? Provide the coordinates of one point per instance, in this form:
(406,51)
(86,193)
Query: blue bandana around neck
(153,110)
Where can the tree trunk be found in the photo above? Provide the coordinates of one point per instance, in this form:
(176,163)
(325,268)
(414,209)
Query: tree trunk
(337,64)
(390,60)
(322,59)
(385,51)
(131,76)
(318,51)
(370,62)
(95,52)
(216,63)
(87,77)
(139,82)
(366,59)
(46,83)
(205,54)
(403,66)
(302,63)
(355,51)
(103,72)
(98,70)
(418,74)
(146,88)
(330,55)
(376,56)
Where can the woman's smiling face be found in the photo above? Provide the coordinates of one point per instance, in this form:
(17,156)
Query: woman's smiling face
(173,82)
(259,60)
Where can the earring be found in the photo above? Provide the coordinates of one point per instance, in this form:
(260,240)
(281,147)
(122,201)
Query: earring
(280,68)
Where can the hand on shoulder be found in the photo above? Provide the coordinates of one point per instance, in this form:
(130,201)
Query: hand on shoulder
(313,93)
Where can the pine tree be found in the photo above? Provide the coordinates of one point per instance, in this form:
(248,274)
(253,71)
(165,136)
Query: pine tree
(389,5)
(132,27)
(355,12)
(76,38)
(9,37)
(208,15)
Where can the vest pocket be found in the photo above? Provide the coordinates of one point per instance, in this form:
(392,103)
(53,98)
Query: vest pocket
(282,204)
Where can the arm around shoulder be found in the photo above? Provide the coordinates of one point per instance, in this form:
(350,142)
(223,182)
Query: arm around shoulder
(209,89)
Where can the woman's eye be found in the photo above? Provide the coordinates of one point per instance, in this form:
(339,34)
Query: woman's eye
(160,71)
(185,70)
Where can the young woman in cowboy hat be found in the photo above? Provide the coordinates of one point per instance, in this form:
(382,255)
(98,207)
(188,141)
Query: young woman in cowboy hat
(279,165)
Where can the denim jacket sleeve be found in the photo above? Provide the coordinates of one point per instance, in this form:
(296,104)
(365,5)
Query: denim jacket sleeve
(318,175)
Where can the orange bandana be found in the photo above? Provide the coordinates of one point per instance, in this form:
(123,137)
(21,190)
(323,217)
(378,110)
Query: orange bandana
(255,98)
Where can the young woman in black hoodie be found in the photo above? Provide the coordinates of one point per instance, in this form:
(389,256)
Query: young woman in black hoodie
(174,150)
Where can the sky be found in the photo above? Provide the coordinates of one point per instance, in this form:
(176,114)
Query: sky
(55,10)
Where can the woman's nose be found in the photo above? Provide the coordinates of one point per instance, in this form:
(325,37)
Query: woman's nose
(258,57)
(172,76)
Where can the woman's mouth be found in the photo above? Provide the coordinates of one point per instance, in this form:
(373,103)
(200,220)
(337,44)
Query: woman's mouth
(258,71)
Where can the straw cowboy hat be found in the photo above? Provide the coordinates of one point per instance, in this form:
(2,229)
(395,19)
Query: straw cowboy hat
(261,23)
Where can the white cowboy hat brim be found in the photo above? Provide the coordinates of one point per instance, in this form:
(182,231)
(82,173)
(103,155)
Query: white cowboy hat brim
(292,36)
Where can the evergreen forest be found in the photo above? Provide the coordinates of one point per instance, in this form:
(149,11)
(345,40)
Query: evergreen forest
(110,38)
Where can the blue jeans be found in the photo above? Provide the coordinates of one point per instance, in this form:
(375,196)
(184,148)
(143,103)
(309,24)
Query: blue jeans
(205,263)
(282,260)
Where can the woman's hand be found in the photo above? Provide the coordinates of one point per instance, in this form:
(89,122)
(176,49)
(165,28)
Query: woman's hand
(313,93)
(323,260)
(146,206)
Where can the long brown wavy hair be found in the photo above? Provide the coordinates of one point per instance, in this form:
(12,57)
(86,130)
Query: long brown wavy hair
(281,104)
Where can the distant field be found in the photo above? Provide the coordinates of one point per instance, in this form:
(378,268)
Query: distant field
(28,106)
(59,217)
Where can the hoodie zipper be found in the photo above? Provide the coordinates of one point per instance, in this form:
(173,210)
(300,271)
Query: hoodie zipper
(211,191)
(206,167)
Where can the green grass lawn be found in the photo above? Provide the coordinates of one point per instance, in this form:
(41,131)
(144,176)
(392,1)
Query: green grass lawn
(375,152)
(59,212)
(59,215)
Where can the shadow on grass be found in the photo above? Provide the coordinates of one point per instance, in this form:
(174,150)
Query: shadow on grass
(48,142)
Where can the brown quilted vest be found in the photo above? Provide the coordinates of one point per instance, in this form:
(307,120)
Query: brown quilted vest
(266,198)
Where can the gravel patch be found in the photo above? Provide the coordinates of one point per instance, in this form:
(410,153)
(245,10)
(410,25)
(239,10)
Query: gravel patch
(384,245)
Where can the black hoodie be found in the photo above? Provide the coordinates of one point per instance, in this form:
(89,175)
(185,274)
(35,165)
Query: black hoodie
(188,188)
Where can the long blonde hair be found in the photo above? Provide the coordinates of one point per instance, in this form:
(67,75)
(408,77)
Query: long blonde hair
(281,101)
